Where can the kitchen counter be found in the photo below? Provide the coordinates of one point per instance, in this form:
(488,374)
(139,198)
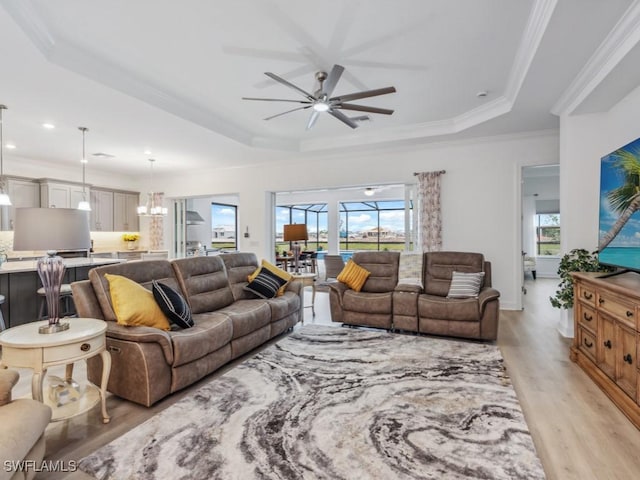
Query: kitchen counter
(30,265)
(19,282)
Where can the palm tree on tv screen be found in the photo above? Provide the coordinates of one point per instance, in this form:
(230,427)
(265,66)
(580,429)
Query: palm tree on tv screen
(625,200)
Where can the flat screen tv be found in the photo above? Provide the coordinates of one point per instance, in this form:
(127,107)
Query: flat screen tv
(619,230)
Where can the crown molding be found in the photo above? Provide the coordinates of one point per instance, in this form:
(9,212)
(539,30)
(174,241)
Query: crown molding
(26,15)
(624,36)
(537,24)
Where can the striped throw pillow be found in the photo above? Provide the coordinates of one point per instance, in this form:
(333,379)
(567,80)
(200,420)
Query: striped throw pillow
(265,284)
(172,304)
(353,276)
(276,271)
(465,285)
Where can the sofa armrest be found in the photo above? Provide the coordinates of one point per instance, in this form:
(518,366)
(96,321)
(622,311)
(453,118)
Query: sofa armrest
(142,334)
(339,288)
(85,300)
(486,295)
(408,288)
(294,286)
(8,378)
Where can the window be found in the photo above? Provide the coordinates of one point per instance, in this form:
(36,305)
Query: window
(313,215)
(224,226)
(372,225)
(547,234)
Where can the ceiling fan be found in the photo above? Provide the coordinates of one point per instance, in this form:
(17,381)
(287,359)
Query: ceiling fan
(322,101)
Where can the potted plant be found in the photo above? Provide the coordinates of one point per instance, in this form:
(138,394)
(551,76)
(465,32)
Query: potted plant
(577,260)
(131,239)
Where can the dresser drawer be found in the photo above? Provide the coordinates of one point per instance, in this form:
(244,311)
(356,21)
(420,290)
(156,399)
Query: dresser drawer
(620,309)
(73,351)
(587,317)
(587,294)
(587,343)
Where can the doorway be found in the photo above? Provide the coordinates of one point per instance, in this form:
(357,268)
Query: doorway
(541,223)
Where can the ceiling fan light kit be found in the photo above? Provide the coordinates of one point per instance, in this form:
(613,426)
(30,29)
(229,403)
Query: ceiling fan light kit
(321,100)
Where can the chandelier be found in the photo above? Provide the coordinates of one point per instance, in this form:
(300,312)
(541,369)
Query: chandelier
(150,209)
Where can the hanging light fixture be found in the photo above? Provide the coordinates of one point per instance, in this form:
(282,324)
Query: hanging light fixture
(83,204)
(4,196)
(150,209)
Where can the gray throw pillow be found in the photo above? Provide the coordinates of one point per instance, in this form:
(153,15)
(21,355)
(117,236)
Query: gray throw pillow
(465,285)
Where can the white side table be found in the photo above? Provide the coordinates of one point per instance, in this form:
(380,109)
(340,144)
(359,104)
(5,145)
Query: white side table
(308,280)
(24,347)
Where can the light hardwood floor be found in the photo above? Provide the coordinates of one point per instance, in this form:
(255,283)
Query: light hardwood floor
(578,432)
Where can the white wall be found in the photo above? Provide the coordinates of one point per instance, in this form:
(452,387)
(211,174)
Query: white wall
(584,140)
(480,191)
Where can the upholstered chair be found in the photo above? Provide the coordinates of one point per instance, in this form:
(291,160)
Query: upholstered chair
(23,424)
(438,314)
(372,305)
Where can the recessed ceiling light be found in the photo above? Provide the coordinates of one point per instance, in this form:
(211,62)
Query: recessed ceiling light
(10,146)
(147,152)
(48,126)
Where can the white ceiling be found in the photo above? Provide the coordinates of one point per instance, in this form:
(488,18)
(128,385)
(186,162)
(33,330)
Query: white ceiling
(169,76)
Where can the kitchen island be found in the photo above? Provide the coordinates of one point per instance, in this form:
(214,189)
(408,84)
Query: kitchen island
(19,282)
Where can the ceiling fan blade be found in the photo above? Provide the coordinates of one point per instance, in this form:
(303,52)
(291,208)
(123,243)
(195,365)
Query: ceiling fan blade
(312,119)
(363,108)
(275,100)
(289,84)
(365,94)
(343,118)
(332,80)
(288,111)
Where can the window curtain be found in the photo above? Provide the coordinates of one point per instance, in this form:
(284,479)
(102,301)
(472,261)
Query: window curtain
(430,232)
(156,226)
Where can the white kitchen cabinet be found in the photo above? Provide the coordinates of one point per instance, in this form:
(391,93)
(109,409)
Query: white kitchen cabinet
(60,195)
(101,217)
(125,212)
(23,193)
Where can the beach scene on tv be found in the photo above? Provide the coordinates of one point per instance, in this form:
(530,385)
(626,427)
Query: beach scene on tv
(619,235)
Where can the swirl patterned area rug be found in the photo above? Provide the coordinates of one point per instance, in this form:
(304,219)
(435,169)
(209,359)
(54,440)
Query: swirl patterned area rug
(338,403)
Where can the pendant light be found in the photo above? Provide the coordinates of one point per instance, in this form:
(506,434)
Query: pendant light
(4,196)
(84,204)
(150,209)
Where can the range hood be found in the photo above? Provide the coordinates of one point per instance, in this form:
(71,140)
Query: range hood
(194,218)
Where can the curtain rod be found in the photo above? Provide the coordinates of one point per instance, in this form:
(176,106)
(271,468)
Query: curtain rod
(418,173)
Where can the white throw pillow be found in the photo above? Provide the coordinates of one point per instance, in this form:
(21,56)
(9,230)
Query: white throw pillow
(465,285)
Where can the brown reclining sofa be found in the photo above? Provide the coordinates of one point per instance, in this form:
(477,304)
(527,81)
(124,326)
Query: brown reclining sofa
(148,363)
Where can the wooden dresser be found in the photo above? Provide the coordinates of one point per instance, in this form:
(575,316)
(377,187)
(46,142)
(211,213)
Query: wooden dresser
(607,339)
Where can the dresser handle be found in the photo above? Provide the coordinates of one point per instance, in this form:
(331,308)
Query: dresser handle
(628,358)
(85,347)
(629,313)
(608,344)
(601,301)
(588,318)
(587,295)
(589,345)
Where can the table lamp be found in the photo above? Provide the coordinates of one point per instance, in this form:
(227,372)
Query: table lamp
(294,233)
(51,229)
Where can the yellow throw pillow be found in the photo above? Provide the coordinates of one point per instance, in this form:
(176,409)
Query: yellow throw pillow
(134,305)
(353,275)
(276,271)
